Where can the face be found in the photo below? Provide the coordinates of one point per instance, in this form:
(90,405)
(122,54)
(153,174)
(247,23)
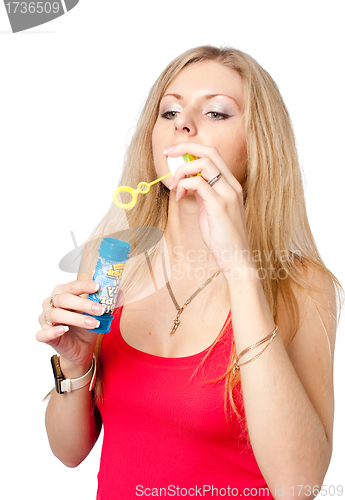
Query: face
(203,104)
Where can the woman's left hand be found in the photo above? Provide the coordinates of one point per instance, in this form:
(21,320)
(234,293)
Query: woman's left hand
(221,213)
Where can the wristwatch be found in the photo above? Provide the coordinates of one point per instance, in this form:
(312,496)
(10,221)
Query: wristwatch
(63,384)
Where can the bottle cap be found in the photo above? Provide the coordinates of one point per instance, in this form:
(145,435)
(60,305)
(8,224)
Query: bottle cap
(105,322)
(112,248)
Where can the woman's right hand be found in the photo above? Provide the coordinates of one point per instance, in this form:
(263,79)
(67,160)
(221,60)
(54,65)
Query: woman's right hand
(70,333)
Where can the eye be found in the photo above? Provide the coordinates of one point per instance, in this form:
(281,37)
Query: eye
(170,115)
(216,115)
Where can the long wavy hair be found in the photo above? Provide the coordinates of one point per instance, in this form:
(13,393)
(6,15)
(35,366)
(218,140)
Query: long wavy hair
(275,212)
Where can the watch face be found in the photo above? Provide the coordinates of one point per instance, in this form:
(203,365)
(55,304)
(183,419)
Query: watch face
(57,386)
(58,376)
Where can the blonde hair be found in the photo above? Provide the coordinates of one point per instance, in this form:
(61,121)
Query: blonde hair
(275,213)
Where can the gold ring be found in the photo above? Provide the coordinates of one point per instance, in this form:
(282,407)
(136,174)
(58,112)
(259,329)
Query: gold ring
(51,302)
(45,319)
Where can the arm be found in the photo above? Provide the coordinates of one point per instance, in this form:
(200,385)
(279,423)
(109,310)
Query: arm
(288,393)
(72,424)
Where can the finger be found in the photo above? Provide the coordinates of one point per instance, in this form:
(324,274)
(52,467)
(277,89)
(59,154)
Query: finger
(64,317)
(43,320)
(77,287)
(198,185)
(204,166)
(221,186)
(202,151)
(51,334)
(75,303)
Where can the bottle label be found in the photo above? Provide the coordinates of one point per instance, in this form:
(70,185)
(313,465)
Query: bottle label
(116,271)
(108,275)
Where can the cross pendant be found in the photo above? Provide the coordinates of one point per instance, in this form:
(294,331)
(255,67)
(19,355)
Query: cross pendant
(175,327)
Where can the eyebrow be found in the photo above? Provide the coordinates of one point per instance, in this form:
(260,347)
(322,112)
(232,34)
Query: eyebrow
(206,96)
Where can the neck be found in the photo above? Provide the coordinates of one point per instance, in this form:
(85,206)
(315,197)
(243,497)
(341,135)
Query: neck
(188,253)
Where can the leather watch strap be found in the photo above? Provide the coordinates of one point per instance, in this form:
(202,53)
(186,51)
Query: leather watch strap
(63,384)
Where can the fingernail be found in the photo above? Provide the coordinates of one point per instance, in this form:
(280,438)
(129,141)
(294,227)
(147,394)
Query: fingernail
(169,150)
(96,287)
(60,330)
(94,323)
(97,308)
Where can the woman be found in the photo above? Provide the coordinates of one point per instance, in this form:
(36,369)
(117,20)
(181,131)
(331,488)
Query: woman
(257,332)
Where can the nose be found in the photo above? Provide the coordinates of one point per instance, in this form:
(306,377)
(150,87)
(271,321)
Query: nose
(185,124)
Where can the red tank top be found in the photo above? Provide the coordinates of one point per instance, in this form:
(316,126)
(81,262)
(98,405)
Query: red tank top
(165,430)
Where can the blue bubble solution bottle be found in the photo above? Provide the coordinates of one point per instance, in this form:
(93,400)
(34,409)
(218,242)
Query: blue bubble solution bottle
(113,255)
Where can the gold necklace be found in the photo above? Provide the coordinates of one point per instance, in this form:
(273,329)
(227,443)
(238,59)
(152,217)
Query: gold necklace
(188,301)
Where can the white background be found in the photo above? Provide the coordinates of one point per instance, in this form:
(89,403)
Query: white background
(70,91)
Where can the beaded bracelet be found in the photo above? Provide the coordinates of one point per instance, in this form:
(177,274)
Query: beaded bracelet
(267,339)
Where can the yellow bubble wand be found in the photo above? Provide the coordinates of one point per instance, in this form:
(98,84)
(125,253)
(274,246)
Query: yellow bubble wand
(144,187)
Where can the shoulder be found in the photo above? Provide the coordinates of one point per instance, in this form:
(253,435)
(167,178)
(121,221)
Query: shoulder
(315,298)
